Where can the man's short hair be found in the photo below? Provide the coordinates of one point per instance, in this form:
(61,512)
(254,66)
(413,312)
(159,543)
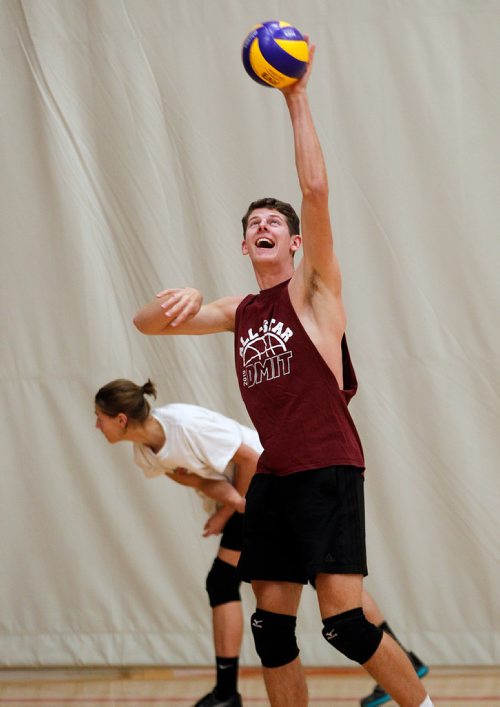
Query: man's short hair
(268,202)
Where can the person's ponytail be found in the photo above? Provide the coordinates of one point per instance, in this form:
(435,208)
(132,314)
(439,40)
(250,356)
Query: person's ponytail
(149,388)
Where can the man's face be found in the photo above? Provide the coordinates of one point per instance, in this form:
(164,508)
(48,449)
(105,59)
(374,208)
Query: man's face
(267,236)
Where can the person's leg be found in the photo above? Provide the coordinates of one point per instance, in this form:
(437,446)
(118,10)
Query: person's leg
(340,601)
(373,614)
(392,668)
(227,620)
(277,605)
(378,696)
(227,617)
(227,623)
(371,608)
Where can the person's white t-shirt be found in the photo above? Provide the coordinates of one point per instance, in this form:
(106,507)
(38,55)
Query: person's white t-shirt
(200,440)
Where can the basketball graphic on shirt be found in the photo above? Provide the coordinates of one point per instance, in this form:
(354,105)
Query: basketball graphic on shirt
(263,347)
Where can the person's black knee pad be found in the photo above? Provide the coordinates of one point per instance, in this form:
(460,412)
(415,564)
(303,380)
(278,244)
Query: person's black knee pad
(222,584)
(353,635)
(274,636)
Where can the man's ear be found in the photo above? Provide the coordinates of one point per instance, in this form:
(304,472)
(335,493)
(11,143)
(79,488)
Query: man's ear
(244,248)
(295,242)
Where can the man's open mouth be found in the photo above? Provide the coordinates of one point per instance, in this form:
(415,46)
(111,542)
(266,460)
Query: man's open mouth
(264,243)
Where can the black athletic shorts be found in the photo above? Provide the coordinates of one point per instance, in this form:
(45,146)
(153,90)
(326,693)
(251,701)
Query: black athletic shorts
(232,535)
(307,522)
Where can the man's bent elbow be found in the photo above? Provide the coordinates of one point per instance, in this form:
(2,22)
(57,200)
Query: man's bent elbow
(138,323)
(141,324)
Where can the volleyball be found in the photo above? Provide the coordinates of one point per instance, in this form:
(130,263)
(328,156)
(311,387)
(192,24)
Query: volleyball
(275,54)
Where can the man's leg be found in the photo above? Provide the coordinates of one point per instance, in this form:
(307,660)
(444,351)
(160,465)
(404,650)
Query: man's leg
(379,696)
(340,598)
(391,668)
(278,603)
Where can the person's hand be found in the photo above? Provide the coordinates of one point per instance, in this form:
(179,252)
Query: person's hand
(240,508)
(300,85)
(215,524)
(180,303)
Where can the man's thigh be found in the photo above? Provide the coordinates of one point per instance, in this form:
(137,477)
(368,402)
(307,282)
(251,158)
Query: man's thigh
(338,593)
(278,597)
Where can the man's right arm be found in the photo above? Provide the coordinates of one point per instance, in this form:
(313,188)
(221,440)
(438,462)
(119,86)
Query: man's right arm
(180,311)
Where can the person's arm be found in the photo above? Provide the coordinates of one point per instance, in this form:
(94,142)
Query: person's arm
(223,492)
(217,521)
(219,490)
(180,311)
(245,460)
(318,275)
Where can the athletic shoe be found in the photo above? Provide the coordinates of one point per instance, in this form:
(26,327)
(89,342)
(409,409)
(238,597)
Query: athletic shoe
(379,696)
(211,700)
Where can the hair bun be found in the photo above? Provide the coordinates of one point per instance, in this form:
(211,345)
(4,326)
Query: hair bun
(149,388)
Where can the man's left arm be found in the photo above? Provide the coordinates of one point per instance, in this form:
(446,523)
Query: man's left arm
(318,275)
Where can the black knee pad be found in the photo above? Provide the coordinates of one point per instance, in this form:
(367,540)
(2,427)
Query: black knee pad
(351,634)
(274,636)
(222,584)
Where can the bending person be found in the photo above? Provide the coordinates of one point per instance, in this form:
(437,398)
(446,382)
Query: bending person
(217,457)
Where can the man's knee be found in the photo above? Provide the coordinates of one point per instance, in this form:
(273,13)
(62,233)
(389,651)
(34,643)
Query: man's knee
(222,584)
(274,636)
(353,635)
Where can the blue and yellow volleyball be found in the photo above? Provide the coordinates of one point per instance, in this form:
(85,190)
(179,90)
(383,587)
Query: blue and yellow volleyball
(275,54)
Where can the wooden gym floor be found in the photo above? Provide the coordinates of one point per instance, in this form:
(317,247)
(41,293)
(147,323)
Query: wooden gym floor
(182,687)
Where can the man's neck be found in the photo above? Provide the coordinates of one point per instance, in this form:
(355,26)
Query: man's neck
(269,277)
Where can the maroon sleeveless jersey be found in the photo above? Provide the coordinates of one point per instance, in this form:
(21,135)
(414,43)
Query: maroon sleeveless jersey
(291,395)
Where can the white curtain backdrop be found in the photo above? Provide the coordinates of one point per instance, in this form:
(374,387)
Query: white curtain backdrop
(131,142)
